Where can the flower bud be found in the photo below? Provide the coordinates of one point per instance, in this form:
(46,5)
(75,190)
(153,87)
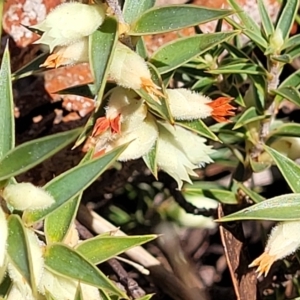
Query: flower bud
(75,53)
(283,241)
(129,70)
(70,22)
(276,41)
(188,105)
(24,196)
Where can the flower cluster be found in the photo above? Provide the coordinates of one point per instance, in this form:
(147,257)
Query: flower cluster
(283,241)
(25,196)
(179,151)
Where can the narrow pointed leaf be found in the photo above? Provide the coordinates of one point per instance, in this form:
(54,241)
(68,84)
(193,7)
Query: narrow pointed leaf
(290,129)
(293,80)
(30,154)
(18,250)
(250,115)
(101,248)
(150,160)
(7,125)
(265,18)
(67,262)
(102,43)
(289,169)
(69,184)
(292,42)
(176,53)
(290,93)
(132,11)
(174,17)
(282,208)
(199,127)
(287,17)
(240,68)
(250,193)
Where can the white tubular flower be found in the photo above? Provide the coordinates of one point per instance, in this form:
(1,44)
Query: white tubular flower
(64,288)
(180,151)
(26,196)
(129,70)
(3,237)
(75,53)
(188,105)
(36,256)
(122,105)
(70,22)
(283,241)
(142,139)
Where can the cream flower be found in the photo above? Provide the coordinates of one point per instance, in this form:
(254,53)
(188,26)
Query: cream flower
(129,70)
(188,105)
(75,53)
(283,241)
(70,22)
(180,151)
(25,195)
(3,237)
(64,288)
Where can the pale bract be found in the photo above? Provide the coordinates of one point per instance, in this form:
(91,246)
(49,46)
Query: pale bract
(3,237)
(26,196)
(283,241)
(70,22)
(180,151)
(188,105)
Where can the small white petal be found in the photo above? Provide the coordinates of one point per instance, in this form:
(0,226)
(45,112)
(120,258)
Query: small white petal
(188,105)
(27,196)
(3,236)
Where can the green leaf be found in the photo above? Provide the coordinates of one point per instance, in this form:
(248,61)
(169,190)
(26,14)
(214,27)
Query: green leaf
(67,262)
(249,115)
(85,90)
(30,154)
(57,226)
(7,125)
(18,249)
(293,52)
(287,17)
(293,80)
(70,183)
(174,17)
(102,44)
(150,160)
(132,10)
(176,53)
(141,48)
(289,169)
(265,18)
(211,191)
(240,68)
(290,93)
(146,297)
(199,127)
(288,129)
(282,208)
(292,42)
(250,27)
(101,248)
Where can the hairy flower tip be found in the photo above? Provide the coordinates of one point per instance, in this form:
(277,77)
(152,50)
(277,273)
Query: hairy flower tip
(36,256)
(75,53)
(123,105)
(63,288)
(180,151)
(283,241)
(26,196)
(70,22)
(188,105)
(221,109)
(129,70)
(3,237)
(141,139)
